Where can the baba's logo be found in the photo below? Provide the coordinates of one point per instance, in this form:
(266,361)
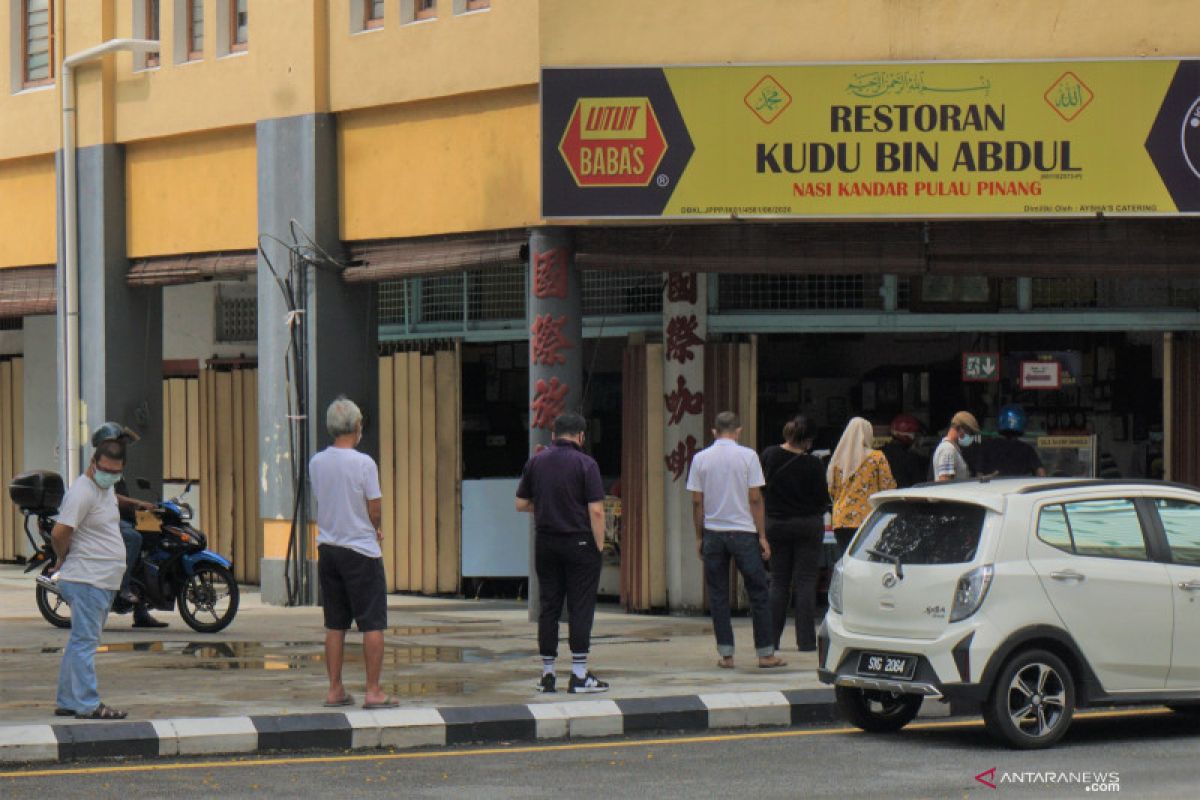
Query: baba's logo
(1190,137)
(613,141)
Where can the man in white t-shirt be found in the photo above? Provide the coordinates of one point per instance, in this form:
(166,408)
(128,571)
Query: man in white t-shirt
(948,462)
(726,483)
(87,541)
(345,484)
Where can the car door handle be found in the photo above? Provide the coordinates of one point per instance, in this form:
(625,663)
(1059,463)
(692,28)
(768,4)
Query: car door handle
(1190,586)
(1067,575)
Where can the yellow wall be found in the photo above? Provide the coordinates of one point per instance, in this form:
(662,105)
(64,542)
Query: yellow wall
(439,119)
(464,164)
(453,54)
(624,32)
(27,208)
(192,194)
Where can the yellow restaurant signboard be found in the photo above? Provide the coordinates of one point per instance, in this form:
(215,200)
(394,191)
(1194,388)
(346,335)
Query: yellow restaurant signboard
(939,139)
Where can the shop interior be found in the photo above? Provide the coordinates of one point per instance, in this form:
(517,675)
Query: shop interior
(1104,419)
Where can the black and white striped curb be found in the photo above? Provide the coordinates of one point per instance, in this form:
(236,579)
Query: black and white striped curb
(413,727)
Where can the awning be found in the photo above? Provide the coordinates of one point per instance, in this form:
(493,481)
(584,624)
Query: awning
(385,260)
(191,268)
(27,290)
(994,248)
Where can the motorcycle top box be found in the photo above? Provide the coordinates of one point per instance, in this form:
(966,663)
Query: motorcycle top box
(37,492)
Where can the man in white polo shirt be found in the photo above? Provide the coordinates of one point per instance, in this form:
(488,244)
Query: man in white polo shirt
(726,483)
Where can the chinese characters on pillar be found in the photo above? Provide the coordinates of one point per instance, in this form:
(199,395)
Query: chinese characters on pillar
(547,341)
(550,273)
(681,287)
(549,401)
(679,459)
(681,338)
(683,333)
(683,401)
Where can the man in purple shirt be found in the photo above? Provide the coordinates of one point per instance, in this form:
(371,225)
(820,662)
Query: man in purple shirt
(561,486)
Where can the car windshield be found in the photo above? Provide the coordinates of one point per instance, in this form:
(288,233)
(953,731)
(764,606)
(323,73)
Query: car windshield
(922,533)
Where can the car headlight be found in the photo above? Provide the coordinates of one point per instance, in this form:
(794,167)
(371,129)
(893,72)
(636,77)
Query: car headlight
(972,588)
(835,589)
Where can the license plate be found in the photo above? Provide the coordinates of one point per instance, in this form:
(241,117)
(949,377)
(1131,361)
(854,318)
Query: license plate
(884,665)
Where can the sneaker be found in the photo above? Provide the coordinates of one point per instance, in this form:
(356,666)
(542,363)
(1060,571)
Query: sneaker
(589,684)
(546,684)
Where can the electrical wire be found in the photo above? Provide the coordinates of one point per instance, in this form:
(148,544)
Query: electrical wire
(303,252)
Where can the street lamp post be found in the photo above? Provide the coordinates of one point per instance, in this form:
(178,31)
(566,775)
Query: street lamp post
(68,268)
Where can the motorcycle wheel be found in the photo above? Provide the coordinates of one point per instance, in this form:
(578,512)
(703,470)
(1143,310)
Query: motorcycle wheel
(208,601)
(53,607)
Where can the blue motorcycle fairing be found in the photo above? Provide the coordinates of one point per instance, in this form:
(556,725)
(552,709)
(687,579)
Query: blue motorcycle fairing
(192,560)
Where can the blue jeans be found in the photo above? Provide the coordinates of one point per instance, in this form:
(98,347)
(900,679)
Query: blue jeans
(133,548)
(719,547)
(77,689)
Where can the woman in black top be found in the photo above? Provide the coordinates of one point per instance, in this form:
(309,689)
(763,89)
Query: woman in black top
(797,498)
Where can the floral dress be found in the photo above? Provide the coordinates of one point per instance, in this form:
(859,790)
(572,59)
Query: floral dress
(851,497)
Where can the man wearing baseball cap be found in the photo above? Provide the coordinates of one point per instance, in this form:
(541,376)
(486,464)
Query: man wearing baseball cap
(948,461)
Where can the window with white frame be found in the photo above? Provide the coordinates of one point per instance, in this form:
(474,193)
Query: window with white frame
(146,16)
(194,27)
(37,42)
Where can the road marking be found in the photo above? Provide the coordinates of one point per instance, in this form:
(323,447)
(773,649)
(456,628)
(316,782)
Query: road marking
(548,748)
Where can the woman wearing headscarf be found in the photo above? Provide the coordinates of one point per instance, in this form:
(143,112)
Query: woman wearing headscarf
(855,472)
(796,501)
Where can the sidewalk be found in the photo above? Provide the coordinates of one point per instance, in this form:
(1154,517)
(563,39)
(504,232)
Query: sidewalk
(464,670)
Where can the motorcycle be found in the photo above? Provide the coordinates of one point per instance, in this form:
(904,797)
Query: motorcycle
(175,565)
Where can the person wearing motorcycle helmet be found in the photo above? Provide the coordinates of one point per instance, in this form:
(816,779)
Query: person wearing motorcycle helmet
(907,467)
(1006,455)
(91,558)
(128,507)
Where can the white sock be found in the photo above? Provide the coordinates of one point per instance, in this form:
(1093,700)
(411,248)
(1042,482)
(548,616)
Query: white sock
(547,666)
(579,664)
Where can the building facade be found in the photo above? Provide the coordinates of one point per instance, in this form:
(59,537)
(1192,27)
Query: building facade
(400,155)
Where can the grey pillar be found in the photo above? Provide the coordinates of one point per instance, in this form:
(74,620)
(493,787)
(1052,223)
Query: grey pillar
(120,328)
(555,318)
(297,180)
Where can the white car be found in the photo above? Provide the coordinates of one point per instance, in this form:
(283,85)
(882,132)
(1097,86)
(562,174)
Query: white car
(1029,597)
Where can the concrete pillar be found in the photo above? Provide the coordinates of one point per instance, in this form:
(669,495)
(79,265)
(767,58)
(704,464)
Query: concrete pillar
(685,329)
(297,180)
(120,328)
(555,317)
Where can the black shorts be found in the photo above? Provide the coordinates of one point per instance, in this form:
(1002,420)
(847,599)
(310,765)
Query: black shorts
(353,587)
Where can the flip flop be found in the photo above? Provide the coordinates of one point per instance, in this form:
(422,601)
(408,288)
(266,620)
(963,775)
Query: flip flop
(103,712)
(773,663)
(63,712)
(389,702)
(347,700)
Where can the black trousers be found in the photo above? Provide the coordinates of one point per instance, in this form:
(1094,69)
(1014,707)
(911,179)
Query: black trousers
(795,559)
(568,568)
(843,536)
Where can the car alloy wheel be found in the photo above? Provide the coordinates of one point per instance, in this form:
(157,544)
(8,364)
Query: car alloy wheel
(1033,700)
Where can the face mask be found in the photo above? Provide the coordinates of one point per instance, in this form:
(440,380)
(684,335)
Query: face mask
(966,440)
(106,480)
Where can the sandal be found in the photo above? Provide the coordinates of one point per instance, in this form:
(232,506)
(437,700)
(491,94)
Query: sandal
(391,701)
(771,662)
(103,712)
(725,662)
(347,700)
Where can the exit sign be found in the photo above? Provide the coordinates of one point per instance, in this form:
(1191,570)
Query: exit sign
(981,367)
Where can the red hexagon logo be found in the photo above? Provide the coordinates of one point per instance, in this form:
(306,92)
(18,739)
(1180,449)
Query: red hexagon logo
(613,141)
